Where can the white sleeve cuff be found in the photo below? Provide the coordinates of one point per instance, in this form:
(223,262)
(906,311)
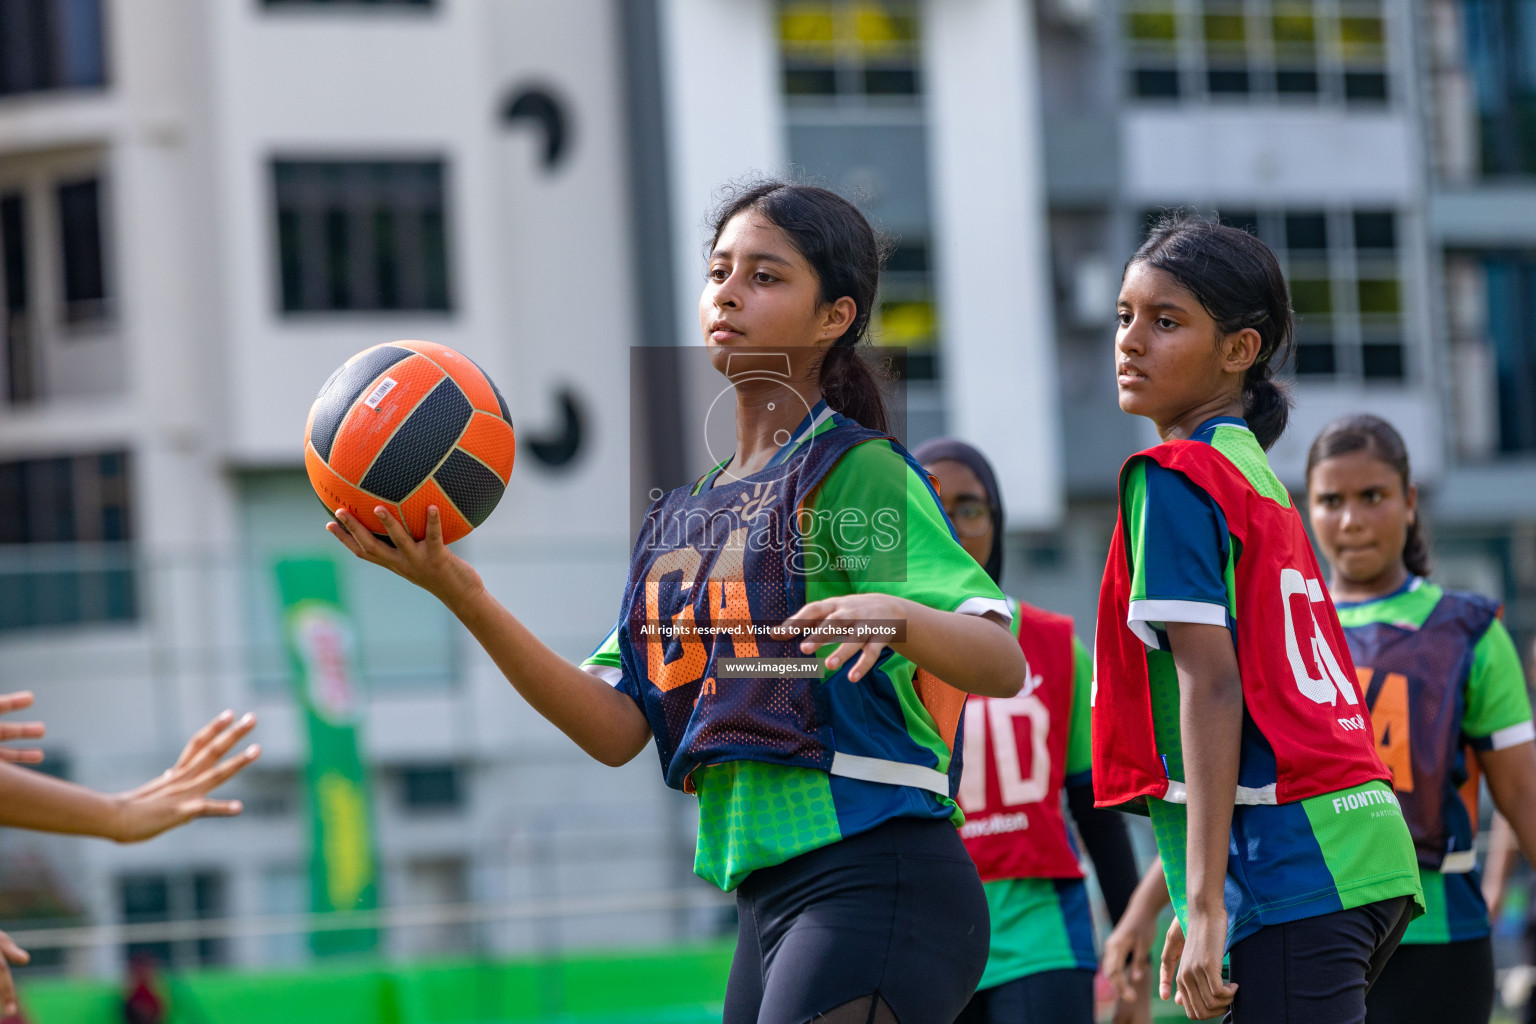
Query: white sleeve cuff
(1145,617)
(1513,736)
(982,605)
(610,674)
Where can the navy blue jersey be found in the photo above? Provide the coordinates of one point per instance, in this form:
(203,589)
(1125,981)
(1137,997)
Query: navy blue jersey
(1441,676)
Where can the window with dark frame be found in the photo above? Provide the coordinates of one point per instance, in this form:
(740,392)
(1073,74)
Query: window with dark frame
(20,356)
(836,50)
(858,63)
(361,235)
(1344,273)
(65,535)
(158,898)
(1508,280)
(1152,43)
(72,207)
(80,245)
(1499,37)
(431,787)
(907,312)
(1285,50)
(47,45)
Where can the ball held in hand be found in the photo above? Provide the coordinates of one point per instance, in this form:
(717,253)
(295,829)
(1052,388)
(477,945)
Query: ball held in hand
(405,425)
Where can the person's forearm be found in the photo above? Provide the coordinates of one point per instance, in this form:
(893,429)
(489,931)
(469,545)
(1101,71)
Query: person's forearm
(32,800)
(1511,775)
(969,652)
(1150,895)
(1211,723)
(1211,730)
(1500,861)
(602,721)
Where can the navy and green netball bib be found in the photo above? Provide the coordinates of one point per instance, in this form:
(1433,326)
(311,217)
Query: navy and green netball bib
(1441,675)
(1414,677)
(714,566)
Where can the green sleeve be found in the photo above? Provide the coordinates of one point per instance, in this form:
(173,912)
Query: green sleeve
(607,653)
(1498,710)
(1133,505)
(874,526)
(1080,739)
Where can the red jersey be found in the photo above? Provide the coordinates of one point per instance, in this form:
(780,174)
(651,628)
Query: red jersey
(1299,685)
(1015,759)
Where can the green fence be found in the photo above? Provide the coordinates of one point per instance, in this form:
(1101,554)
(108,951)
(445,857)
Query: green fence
(675,986)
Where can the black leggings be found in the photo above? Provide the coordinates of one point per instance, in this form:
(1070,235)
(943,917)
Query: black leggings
(1047,997)
(1316,970)
(1444,983)
(887,926)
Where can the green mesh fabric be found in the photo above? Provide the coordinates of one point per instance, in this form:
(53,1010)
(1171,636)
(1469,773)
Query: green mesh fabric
(1242,449)
(753,814)
(1364,845)
(1170,829)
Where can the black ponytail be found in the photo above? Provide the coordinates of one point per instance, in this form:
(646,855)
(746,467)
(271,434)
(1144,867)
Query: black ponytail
(846,254)
(853,387)
(1376,437)
(1237,280)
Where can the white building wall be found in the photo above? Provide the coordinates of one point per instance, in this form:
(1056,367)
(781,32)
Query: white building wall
(724,122)
(1233,154)
(992,254)
(218,381)
(354,84)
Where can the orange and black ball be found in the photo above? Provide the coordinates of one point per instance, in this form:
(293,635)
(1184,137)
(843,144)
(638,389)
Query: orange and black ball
(409,424)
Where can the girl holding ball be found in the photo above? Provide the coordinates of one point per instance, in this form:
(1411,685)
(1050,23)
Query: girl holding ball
(860,903)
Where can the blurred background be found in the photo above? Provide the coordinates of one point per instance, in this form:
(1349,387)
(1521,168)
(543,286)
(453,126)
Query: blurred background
(208,205)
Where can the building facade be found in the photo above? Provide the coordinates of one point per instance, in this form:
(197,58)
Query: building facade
(205,208)
(1377,148)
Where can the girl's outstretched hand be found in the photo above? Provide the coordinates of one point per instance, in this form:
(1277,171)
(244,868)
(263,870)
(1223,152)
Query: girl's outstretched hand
(180,794)
(19,730)
(427,563)
(834,618)
(10,953)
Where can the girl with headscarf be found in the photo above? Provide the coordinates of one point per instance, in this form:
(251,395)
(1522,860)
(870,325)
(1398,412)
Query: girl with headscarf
(1021,754)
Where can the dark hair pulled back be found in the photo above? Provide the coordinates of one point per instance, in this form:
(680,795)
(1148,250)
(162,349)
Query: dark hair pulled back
(846,254)
(1237,280)
(1362,432)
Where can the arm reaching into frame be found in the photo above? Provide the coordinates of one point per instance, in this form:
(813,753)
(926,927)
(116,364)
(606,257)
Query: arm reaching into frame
(19,730)
(39,802)
(601,720)
(31,800)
